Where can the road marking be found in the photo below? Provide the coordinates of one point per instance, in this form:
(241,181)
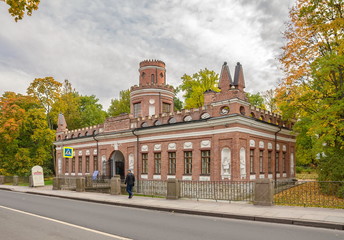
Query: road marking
(68,224)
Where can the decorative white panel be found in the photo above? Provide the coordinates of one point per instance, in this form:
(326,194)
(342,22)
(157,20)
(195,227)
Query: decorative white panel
(157,147)
(171,177)
(284,148)
(261,176)
(80,153)
(59,165)
(205,144)
(291,164)
(131,161)
(225,163)
(277,147)
(278,175)
(188,178)
(187,145)
(95,152)
(144,176)
(172,146)
(270,146)
(204,178)
(144,148)
(242,162)
(252,143)
(270,176)
(261,144)
(157,177)
(252,177)
(87,152)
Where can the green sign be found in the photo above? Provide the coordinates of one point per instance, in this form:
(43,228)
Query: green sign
(68,152)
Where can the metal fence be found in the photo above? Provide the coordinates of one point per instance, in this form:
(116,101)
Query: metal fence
(218,190)
(152,187)
(309,193)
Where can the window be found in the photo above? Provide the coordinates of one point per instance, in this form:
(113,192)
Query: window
(166,107)
(73,165)
(67,165)
(95,163)
(80,165)
(284,161)
(269,161)
(152,78)
(137,109)
(261,166)
(188,162)
(157,163)
(172,163)
(252,161)
(87,164)
(277,162)
(145,163)
(205,161)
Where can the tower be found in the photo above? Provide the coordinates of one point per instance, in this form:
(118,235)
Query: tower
(153,96)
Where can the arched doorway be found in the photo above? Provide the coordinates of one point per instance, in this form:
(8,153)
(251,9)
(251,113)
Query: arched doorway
(117,164)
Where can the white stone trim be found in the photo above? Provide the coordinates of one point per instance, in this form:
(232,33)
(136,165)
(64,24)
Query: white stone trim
(171,177)
(261,175)
(172,146)
(204,178)
(270,146)
(270,176)
(144,148)
(187,178)
(252,143)
(187,145)
(157,177)
(261,144)
(144,176)
(252,177)
(157,147)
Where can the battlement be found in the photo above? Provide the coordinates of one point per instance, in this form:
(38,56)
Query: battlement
(152,62)
(152,85)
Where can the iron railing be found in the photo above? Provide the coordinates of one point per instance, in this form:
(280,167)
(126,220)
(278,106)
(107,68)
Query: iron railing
(218,190)
(152,187)
(309,193)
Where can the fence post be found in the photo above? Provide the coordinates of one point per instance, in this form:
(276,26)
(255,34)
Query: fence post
(15,180)
(263,194)
(172,189)
(2,179)
(57,183)
(115,185)
(80,184)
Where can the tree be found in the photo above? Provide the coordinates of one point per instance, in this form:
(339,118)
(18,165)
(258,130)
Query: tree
(47,91)
(256,100)
(121,105)
(270,100)
(19,7)
(313,88)
(91,111)
(194,86)
(26,137)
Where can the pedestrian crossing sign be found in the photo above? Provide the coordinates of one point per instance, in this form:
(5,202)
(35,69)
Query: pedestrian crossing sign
(68,152)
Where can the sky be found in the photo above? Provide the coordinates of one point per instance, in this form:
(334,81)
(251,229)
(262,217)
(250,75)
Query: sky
(97,45)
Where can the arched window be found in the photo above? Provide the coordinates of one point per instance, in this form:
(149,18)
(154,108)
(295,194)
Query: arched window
(72,136)
(157,122)
(152,78)
(187,118)
(205,115)
(172,120)
(144,124)
(86,133)
(224,110)
(242,110)
(94,132)
(79,135)
(252,115)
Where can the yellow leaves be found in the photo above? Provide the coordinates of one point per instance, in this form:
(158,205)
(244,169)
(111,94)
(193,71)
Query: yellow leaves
(19,7)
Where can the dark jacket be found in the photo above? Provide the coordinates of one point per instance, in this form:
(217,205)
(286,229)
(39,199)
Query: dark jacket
(130,179)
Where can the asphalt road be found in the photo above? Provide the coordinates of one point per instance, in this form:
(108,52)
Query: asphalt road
(26,216)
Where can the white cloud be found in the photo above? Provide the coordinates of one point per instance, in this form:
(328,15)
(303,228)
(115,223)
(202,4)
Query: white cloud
(98,45)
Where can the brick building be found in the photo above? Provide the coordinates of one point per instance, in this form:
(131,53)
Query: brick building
(226,139)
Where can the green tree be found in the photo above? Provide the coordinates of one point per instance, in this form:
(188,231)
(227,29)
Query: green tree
(47,91)
(313,89)
(256,100)
(194,86)
(19,7)
(91,111)
(270,100)
(121,105)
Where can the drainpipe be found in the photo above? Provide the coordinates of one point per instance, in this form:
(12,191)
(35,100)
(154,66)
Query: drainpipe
(137,157)
(94,137)
(275,172)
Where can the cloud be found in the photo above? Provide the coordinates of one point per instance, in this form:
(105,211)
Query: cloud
(97,45)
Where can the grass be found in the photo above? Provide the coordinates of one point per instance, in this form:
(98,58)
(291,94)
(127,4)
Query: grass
(308,195)
(306,175)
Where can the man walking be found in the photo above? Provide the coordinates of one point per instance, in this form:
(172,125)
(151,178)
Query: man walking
(130,181)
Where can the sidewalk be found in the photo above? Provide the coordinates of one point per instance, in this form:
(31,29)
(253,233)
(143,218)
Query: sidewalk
(314,217)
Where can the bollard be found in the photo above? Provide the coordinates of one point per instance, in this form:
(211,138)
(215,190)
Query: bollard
(2,179)
(80,184)
(263,192)
(172,189)
(57,183)
(15,180)
(115,185)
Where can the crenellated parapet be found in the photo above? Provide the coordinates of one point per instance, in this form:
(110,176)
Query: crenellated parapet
(151,62)
(149,86)
(81,133)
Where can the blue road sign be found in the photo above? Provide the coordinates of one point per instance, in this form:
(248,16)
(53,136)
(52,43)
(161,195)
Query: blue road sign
(68,152)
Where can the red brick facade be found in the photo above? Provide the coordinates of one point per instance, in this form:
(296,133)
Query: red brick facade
(226,139)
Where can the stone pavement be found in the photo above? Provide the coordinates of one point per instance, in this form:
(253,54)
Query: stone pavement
(314,217)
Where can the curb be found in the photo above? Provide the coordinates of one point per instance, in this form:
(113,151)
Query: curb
(304,223)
